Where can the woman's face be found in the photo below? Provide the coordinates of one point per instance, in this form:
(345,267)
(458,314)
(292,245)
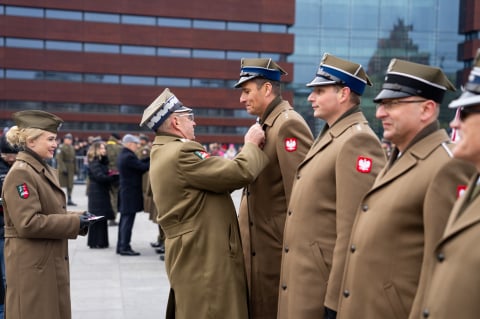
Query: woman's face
(102,151)
(44,145)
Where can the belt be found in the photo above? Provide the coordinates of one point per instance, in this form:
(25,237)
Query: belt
(10,232)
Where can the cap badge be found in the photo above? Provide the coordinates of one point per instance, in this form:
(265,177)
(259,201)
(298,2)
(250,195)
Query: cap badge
(291,144)
(23,191)
(364,164)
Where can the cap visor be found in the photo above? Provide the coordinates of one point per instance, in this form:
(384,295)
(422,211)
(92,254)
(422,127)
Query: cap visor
(183,109)
(243,80)
(389,94)
(318,81)
(466,99)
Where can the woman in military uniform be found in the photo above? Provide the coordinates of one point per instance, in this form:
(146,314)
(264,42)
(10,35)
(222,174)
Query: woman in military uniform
(37,225)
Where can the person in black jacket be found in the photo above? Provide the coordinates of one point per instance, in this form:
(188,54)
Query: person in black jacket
(131,170)
(8,156)
(99,194)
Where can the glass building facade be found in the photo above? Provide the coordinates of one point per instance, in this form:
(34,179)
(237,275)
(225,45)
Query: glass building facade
(371,32)
(99,65)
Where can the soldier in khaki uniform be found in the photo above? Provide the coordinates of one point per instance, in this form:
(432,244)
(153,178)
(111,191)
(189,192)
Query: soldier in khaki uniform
(398,217)
(37,225)
(191,191)
(264,203)
(114,147)
(67,166)
(452,281)
(340,167)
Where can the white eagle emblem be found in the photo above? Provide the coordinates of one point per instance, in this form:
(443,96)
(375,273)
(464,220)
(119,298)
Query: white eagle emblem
(364,164)
(291,144)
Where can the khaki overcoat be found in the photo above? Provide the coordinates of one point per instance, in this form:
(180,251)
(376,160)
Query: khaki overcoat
(66,165)
(436,220)
(203,259)
(454,288)
(386,247)
(332,179)
(37,229)
(264,205)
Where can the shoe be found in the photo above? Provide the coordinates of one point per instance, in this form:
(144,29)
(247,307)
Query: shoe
(129,253)
(160,250)
(70,203)
(112,223)
(156,244)
(162,257)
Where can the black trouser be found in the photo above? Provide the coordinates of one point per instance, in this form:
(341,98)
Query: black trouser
(125,231)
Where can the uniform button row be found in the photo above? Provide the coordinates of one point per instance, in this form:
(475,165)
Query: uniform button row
(440,257)
(426,313)
(284,286)
(346,293)
(364,208)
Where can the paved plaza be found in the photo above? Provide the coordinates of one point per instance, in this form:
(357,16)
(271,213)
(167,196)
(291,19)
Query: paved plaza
(105,285)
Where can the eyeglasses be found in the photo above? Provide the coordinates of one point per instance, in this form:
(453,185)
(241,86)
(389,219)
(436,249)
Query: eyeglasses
(388,105)
(189,115)
(465,112)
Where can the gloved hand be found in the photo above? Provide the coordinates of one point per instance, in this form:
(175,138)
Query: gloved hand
(84,222)
(91,217)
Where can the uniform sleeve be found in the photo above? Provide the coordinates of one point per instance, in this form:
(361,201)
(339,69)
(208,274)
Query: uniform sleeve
(359,161)
(24,207)
(288,160)
(60,161)
(218,174)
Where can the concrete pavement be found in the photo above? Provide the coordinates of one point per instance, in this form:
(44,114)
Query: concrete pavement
(105,285)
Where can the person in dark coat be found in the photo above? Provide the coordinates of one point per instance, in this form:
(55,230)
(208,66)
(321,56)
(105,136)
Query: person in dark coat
(99,194)
(8,156)
(131,171)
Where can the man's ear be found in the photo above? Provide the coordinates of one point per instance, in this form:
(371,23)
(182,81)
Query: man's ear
(268,88)
(429,110)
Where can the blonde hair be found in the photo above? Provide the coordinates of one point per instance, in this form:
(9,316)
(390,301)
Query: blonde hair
(94,151)
(19,136)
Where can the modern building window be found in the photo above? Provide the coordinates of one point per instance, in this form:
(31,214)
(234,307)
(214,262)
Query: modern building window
(137,80)
(174,52)
(243,26)
(275,28)
(24,43)
(209,24)
(102,78)
(237,55)
(164,81)
(134,19)
(62,76)
(63,45)
(173,22)
(2,9)
(24,12)
(23,75)
(137,49)
(211,83)
(63,14)
(208,54)
(102,17)
(100,47)
(2,41)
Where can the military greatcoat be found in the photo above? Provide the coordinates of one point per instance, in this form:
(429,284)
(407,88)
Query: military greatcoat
(66,165)
(454,288)
(204,260)
(338,170)
(37,229)
(386,247)
(264,205)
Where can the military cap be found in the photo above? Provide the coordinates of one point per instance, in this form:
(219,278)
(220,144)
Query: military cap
(333,70)
(259,68)
(69,136)
(160,109)
(406,78)
(37,119)
(471,90)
